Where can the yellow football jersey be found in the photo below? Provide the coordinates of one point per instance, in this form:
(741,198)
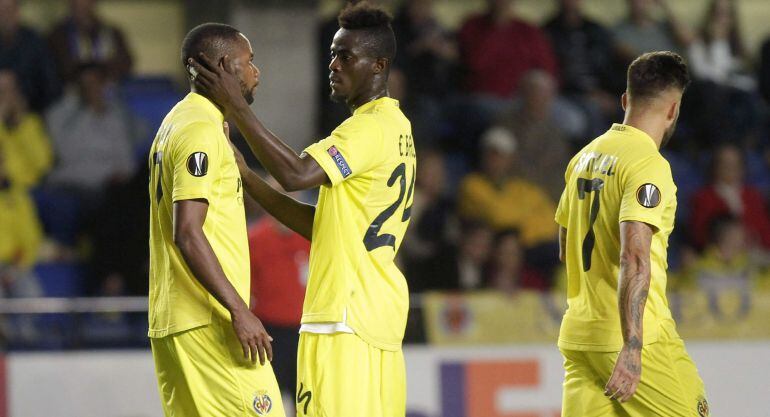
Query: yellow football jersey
(619,176)
(191,159)
(360,223)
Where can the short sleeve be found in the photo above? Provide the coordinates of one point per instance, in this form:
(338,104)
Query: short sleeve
(195,160)
(647,189)
(352,149)
(562,210)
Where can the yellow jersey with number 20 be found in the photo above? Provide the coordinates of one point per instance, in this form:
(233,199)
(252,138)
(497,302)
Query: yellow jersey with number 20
(619,176)
(360,223)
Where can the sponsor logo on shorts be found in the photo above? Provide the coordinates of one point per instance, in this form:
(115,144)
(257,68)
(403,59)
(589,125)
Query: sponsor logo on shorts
(703,407)
(303,397)
(342,164)
(262,403)
(648,195)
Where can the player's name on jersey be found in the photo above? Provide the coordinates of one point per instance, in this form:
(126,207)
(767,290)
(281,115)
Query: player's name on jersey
(597,163)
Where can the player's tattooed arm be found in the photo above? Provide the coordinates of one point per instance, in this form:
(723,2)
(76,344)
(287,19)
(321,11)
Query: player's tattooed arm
(633,286)
(292,171)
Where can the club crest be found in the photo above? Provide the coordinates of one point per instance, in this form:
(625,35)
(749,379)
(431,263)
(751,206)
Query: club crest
(703,407)
(262,403)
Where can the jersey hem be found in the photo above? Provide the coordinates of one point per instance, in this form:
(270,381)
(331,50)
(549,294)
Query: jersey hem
(373,341)
(321,318)
(161,333)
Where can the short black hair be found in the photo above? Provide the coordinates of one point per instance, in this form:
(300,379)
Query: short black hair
(213,39)
(655,72)
(380,40)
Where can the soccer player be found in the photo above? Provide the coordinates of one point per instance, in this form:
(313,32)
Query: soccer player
(350,361)
(204,339)
(623,356)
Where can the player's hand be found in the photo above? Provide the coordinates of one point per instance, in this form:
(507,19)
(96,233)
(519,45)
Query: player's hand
(625,377)
(217,81)
(254,339)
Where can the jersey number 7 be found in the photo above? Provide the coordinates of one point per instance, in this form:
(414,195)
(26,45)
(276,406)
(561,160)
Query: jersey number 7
(372,238)
(586,186)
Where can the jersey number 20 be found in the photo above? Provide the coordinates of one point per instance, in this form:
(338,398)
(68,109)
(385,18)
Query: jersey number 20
(372,238)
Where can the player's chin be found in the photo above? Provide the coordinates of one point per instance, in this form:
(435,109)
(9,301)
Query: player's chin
(250,96)
(337,96)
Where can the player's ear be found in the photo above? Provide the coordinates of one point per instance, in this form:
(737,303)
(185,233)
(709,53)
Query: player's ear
(380,64)
(624,100)
(673,110)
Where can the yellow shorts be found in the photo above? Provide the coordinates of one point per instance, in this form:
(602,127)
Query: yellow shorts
(340,375)
(670,384)
(202,373)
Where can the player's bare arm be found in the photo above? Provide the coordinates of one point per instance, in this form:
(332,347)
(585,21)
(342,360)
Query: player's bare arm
(294,172)
(296,215)
(196,250)
(563,244)
(633,286)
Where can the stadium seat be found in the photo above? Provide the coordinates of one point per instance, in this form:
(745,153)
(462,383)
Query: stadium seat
(61,279)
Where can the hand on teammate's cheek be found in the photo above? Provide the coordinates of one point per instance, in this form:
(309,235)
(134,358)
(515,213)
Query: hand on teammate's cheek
(217,81)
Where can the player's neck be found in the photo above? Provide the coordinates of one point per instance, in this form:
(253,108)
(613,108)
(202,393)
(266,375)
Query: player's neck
(366,98)
(650,124)
(193,90)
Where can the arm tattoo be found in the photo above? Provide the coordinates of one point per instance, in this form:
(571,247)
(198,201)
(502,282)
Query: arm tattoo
(634,280)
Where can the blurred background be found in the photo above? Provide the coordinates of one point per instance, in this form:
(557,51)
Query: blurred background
(501,93)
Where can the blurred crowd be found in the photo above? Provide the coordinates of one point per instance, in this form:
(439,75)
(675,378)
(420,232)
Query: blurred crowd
(498,107)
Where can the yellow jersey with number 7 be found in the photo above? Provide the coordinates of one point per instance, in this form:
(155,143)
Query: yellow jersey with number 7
(619,176)
(359,224)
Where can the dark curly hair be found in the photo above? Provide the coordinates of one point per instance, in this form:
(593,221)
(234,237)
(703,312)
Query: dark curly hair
(213,39)
(655,72)
(379,41)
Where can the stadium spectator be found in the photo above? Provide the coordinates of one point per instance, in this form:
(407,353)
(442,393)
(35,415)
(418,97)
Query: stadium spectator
(83,37)
(494,196)
(508,271)
(433,224)
(463,266)
(726,265)
(764,70)
(26,54)
(497,49)
(20,237)
(728,194)
(92,138)
(23,138)
(279,272)
(717,54)
(119,262)
(584,50)
(542,146)
(641,32)
(724,96)
(428,58)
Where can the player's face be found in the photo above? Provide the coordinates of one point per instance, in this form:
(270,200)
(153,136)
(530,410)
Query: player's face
(243,67)
(351,71)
